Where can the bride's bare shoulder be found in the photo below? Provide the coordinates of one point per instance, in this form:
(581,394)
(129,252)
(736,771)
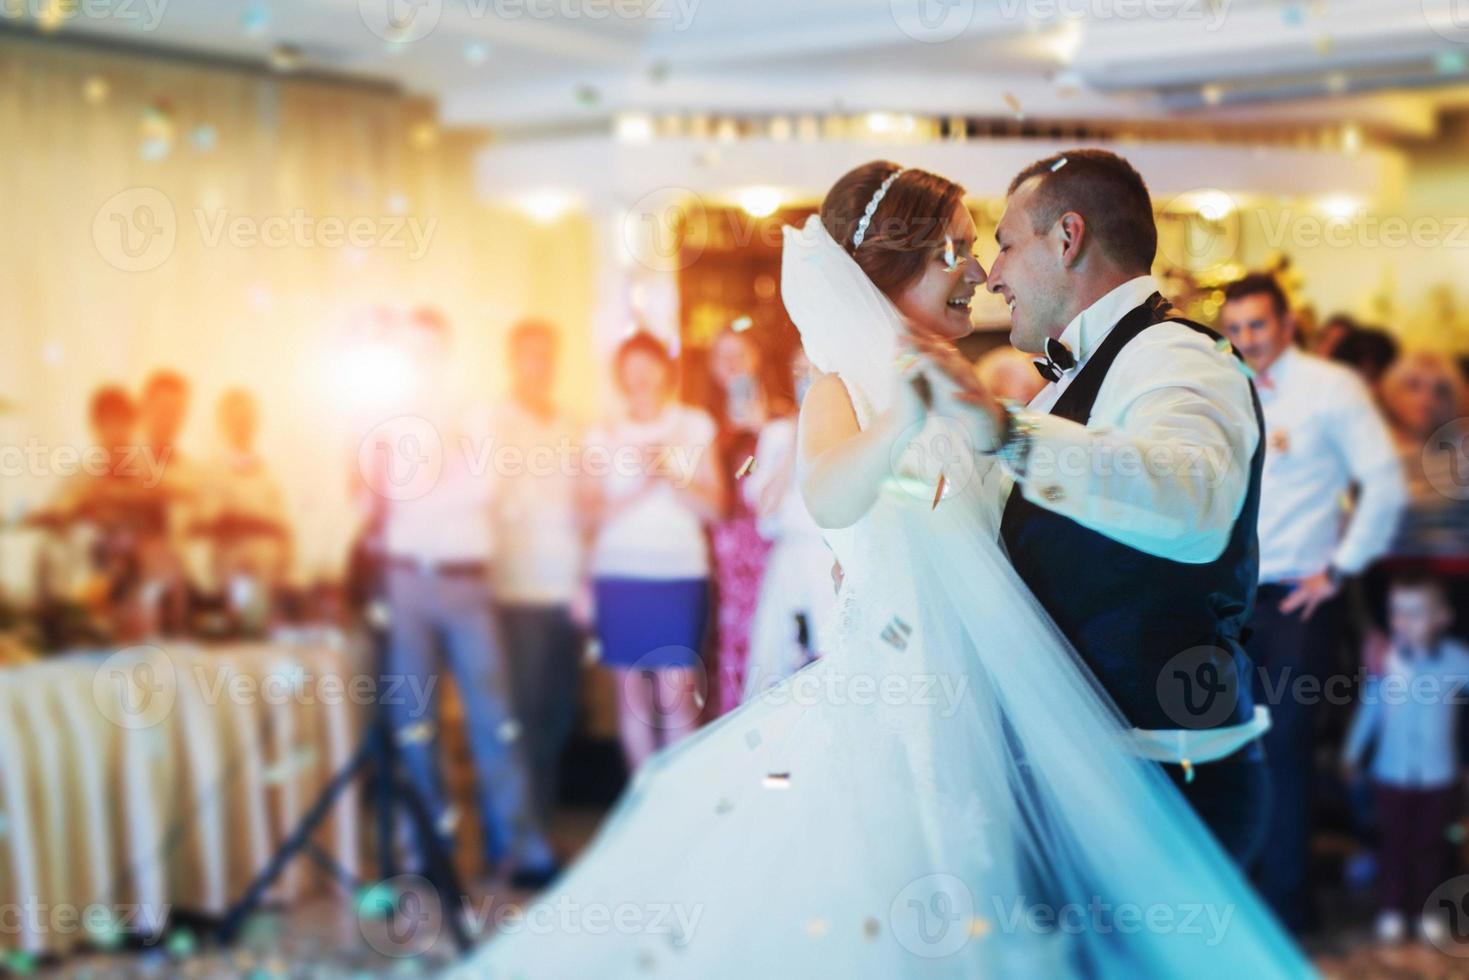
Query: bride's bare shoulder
(827,396)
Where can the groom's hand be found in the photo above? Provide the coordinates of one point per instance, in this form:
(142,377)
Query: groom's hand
(965,387)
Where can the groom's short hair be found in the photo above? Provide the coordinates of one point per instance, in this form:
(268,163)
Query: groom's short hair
(1105,190)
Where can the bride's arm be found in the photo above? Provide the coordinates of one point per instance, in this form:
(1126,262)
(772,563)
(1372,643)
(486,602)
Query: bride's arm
(842,465)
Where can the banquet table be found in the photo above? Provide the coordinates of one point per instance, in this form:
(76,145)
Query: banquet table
(161,778)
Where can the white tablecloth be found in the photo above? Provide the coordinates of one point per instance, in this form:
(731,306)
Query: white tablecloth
(164,777)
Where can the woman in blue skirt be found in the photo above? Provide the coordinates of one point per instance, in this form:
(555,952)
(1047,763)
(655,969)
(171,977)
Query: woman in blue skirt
(652,486)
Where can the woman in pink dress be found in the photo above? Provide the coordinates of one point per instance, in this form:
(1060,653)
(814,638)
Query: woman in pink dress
(743,403)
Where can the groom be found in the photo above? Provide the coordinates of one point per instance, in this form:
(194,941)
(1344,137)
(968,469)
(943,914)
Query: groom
(1131,482)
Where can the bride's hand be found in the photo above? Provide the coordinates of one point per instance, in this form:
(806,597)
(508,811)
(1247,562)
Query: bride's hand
(961,389)
(909,408)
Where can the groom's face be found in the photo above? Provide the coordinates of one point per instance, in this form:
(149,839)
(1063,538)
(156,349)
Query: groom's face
(1029,273)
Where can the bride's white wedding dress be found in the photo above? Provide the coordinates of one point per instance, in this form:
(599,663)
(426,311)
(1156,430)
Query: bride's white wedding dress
(947,793)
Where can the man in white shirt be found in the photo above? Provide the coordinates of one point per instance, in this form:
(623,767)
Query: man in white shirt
(538,567)
(1324,436)
(436,488)
(1130,484)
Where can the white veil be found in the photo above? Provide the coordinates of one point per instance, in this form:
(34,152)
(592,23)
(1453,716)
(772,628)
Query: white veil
(848,326)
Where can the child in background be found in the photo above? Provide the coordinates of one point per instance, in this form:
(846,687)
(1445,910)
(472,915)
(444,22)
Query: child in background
(1409,714)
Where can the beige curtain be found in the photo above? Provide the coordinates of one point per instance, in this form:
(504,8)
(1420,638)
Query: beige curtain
(255,290)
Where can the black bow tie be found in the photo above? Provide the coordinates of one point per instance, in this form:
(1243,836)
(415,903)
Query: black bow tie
(1058,360)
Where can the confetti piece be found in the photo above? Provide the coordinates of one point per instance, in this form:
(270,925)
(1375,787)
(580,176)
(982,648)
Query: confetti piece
(778,780)
(448,820)
(376,900)
(416,734)
(302,758)
(1188,770)
(509,730)
(871,928)
(816,928)
(741,324)
(1059,164)
(938,492)
(752,739)
(979,927)
(1014,104)
(896,633)
(747,467)
(723,806)
(181,943)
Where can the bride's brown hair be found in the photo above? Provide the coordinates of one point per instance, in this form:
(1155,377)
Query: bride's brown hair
(905,230)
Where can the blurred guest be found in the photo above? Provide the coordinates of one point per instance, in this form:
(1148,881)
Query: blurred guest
(539,562)
(1368,351)
(1010,374)
(650,561)
(173,564)
(245,513)
(1323,436)
(743,404)
(112,506)
(796,594)
(1409,716)
(439,540)
(1422,393)
(1337,328)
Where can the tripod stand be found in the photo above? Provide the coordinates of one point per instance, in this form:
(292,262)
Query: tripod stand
(376,753)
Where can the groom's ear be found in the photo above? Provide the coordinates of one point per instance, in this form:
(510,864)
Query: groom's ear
(1072,234)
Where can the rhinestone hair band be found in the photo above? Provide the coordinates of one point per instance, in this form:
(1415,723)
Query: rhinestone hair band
(872,209)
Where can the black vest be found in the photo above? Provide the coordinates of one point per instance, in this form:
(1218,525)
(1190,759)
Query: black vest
(1163,637)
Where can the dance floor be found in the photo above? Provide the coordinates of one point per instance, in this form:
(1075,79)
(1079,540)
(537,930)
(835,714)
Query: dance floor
(324,937)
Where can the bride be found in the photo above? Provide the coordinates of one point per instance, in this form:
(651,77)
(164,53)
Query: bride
(948,792)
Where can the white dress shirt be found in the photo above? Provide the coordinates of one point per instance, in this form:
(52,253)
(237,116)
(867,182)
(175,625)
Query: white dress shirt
(449,517)
(539,543)
(1322,435)
(1163,464)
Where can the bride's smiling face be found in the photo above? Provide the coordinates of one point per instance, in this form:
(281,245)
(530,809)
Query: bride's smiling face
(938,301)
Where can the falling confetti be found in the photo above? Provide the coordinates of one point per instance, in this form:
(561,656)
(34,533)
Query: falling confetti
(938,492)
(896,633)
(1059,164)
(871,928)
(746,468)
(509,730)
(752,739)
(204,137)
(416,734)
(476,53)
(301,759)
(741,324)
(951,254)
(448,820)
(816,928)
(778,780)
(1014,104)
(979,927)
(723,806)
(1188,769)
(96,89)
(255,21)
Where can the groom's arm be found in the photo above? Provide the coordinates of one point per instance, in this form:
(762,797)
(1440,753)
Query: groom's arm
(1164,465)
